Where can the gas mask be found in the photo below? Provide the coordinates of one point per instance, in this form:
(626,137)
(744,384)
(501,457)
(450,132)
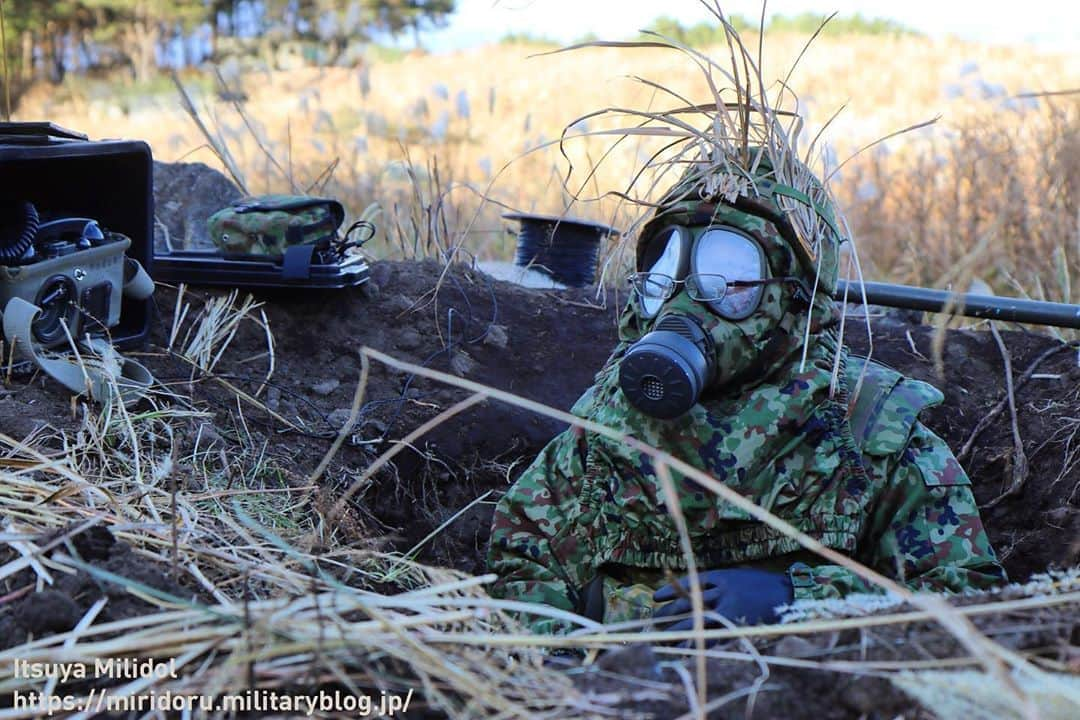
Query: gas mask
(715,309)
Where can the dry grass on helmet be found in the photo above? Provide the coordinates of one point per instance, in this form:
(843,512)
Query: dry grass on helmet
(750,132)
(743,136)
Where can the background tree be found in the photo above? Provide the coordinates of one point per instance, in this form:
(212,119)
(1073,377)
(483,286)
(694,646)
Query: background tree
(398,16)
(139,27)
(47,40)
(45,26)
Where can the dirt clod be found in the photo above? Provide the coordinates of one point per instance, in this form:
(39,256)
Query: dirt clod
(59,607)
(497,336)
(50,612)
(326,387)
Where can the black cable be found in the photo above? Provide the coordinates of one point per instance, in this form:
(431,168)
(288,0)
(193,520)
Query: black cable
(253,380)
(359,225)
(494,300)
(341,245)
(13,245)
(450,346)
(468,318)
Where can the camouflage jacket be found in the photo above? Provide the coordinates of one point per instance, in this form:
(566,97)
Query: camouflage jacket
(865,478)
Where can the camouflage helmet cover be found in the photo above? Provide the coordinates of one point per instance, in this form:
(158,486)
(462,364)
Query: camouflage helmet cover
(805,219)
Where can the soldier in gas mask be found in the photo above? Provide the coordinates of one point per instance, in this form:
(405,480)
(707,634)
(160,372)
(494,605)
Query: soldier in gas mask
(730,359)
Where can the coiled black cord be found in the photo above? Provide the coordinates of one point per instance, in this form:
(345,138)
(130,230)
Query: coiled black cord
(17,234)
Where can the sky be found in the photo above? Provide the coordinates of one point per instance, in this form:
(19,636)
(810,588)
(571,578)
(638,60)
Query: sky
(1053,24)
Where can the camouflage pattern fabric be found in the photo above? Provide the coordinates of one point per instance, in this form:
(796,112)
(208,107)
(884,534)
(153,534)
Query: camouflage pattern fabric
(591,507)
(819,256)
(759,345)
(267,225)
(863,477)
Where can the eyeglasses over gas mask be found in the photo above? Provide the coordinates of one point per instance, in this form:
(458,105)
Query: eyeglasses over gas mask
(720,267)
(723,268)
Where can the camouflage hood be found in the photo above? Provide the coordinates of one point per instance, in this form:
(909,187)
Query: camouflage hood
(784,443)
(753,349)
(771,421)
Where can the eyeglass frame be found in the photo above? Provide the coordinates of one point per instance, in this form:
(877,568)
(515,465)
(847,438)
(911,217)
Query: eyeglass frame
(689,282)
(690,238)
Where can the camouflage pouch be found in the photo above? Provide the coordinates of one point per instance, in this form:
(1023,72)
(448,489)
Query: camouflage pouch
(268,225)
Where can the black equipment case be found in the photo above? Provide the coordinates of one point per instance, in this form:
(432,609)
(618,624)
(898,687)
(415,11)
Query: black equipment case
(64,174)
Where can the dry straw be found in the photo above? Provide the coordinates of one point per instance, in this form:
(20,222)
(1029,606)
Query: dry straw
(286,616)
(283,601)
(726,145)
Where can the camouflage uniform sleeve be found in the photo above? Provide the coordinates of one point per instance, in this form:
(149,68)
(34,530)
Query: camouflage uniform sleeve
(539,547)
(923,531)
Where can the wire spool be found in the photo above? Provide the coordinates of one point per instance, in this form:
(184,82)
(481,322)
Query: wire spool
(563,248)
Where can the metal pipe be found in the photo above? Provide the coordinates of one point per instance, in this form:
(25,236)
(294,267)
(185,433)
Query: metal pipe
(990,307)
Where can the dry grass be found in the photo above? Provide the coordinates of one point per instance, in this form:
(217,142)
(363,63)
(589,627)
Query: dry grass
(993,198)
(270,612)
(280,615)
(990,190)
(285,602)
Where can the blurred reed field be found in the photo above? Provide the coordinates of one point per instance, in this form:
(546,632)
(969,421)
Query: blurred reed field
(990,191)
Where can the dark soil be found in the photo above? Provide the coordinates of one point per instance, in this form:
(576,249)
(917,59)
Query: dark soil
(545,346)
(782,691)
(60,607)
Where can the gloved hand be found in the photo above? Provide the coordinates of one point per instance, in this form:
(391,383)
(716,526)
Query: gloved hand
(743,595)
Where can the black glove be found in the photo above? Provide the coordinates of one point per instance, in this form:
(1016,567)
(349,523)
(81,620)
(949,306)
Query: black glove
(591,600)
(742,595)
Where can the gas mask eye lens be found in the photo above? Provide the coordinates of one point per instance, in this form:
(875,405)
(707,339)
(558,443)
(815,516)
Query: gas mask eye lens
(723,256)
(664,262)
(652,285)
(652,289)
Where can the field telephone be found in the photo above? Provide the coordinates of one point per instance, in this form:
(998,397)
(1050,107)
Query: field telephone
(62,282)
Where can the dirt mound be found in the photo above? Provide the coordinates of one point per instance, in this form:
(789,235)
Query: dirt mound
(1038,524)
(25,614)
(436,497)
(497,334)
(811,676)
(546,346)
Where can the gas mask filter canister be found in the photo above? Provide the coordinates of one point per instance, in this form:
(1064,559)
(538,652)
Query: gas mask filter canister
(664,373)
